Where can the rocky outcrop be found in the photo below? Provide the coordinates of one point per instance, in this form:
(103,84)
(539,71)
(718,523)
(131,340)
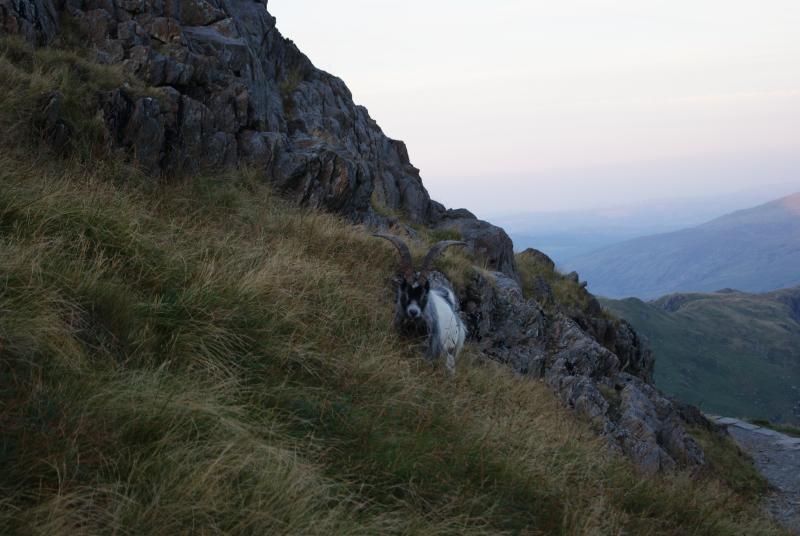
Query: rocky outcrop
(233,91)
(486,241)
(35,20)
(672,303)
(610,384)
(790,298)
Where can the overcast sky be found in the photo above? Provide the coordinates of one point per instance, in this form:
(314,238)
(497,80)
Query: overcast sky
(524,105)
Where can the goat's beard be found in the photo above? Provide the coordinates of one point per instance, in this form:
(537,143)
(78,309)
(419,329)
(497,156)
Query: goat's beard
(411,327)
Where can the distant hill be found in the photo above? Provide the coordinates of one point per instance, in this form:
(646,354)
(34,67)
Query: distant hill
(728,352)
(754,250)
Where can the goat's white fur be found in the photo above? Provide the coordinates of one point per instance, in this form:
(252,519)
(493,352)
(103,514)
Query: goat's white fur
(445,328)
(446,331)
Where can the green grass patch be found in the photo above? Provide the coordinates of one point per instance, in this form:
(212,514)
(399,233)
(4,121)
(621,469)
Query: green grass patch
(787,429)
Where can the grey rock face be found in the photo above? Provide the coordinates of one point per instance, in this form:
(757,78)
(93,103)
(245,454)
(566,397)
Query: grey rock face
(608,383)
(503,325)
(35,20)
(234,91)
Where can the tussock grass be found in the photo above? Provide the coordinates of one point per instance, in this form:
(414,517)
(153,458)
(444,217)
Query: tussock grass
(200,357)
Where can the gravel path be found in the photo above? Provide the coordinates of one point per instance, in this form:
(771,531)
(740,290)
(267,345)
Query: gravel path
(777,456)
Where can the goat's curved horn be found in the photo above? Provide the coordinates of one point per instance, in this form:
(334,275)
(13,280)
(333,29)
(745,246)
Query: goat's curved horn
(434,252)
(406,264)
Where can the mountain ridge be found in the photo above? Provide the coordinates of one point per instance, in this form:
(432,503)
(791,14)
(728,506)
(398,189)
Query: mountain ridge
(754,250)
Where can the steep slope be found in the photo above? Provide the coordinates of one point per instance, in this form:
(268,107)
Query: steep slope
(203,358)
(730,353)
(754,250)
(201,355)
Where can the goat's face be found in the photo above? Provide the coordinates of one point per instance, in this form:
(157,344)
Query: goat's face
(413,297)
(413,290)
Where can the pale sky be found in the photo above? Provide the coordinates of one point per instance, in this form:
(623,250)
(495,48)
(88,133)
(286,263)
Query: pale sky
(525,105)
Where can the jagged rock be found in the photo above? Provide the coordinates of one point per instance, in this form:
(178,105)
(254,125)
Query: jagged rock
(245,95)
(503,325)
(35,20)
(199,13)
(144,133)
(606,382)
(321,177)
(634,353)
(541,291)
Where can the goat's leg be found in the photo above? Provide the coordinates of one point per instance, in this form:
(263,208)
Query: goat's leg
(432,349)
(450,363)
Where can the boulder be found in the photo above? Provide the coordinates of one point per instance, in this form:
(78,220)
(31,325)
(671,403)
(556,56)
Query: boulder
(539,258)
(487,242)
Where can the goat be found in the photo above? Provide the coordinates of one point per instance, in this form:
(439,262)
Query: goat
(436,306)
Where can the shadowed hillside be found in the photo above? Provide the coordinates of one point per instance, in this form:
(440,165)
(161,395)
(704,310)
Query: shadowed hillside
(729,352)
(755,250)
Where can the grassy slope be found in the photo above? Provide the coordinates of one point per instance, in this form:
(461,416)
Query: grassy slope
(198,357)
(730,353)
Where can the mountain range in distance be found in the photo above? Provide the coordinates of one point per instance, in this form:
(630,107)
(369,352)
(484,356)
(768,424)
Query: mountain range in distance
(752,250)
(567,234)
(728,352)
